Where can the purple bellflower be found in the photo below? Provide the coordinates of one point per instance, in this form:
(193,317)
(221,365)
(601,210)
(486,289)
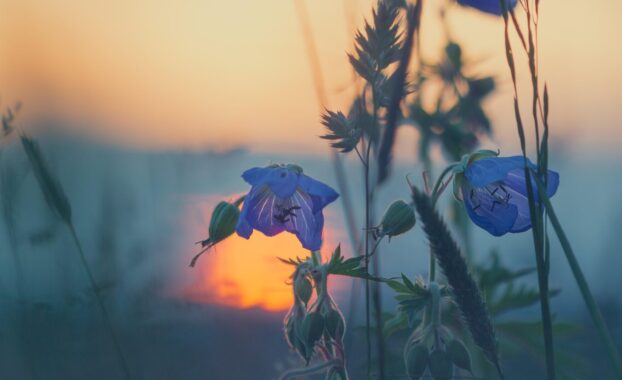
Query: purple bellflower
(488,6)
(281,199)
(494,192)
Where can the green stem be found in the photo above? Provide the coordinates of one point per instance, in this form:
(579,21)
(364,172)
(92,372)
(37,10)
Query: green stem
(439,182)
(435,294)
(592,307)
(100,302)
(366,251)
(376,297)
(316,258)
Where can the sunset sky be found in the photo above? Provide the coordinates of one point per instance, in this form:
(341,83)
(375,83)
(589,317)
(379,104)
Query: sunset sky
(201,74)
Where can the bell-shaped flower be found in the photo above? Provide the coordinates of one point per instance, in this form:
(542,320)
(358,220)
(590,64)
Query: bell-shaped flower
(281,199)
(488,6)
(494,191)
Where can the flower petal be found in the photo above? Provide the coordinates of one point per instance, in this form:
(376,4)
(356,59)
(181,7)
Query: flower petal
(492,169)
(518,199)
(256,176)
(243,228)
(496,218)
(516,180)
(296,215)
(322,193)
(488,6)
(260,210)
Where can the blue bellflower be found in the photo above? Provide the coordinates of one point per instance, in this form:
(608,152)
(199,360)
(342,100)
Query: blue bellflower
(283,199)
(494,192)
(488,6)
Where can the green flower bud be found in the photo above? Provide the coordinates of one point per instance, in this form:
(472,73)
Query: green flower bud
(222,224)
(303,288)
(416,359)
(459,354)
(399,218)
(441,367)
(335,324)
(293,326)
(312,329)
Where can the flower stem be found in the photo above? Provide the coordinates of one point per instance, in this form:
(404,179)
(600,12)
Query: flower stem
(316,258)
(366,250)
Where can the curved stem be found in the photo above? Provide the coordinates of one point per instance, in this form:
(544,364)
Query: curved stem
(439,183)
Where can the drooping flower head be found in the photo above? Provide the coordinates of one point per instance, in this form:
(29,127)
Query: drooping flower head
(488,6)
(494,191)
(282,198)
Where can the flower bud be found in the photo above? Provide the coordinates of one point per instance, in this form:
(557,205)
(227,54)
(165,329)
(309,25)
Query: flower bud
(441,367)
(311,332)
(399,218)
(302,288)
(459,354)
(416,359)
(293,326)
(335,324)
(222,224)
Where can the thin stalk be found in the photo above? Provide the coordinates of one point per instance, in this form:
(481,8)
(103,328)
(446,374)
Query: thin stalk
(100,302)
(376,296)
(366,252)
(590,303)
(536,216)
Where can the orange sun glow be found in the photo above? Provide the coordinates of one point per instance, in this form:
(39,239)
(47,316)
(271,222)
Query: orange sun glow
(246,273)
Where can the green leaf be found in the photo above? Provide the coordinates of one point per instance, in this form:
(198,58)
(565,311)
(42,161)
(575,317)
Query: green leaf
(350,267)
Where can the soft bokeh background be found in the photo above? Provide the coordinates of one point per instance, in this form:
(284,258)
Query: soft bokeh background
(150,110)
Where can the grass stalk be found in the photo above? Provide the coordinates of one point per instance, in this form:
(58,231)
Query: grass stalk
(100,302)
(57,201)
(534,209)
(464,288)
(588,298)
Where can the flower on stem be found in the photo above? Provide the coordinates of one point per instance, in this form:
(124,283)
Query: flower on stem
(494,191)
(281,199)
(488,6)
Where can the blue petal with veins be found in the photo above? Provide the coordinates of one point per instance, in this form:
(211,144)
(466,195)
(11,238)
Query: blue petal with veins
(283,199)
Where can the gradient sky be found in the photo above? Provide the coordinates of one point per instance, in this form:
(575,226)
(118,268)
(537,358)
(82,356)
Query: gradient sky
(195,74)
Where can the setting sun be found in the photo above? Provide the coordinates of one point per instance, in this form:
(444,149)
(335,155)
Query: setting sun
(247,273)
